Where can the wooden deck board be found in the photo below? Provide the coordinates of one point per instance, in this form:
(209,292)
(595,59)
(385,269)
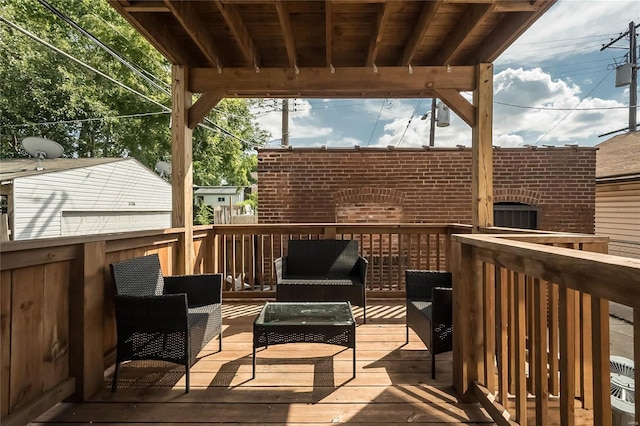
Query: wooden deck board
(296,384)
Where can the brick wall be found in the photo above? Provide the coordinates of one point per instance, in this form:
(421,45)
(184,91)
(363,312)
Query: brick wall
(417,185)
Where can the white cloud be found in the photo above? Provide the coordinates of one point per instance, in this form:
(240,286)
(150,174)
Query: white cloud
(571,27)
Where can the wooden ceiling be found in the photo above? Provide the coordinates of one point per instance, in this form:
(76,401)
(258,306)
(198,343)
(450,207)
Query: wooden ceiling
(331,48)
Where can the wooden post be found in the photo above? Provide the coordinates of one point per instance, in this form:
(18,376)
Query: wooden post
(482,150)
(182,167)
(86,357)
(467,320)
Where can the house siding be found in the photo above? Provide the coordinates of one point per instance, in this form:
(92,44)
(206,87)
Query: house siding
(422,186)
(120,188)
(618,216)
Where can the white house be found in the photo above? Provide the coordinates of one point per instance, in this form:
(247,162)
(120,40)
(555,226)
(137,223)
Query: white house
(82,196)
(214,196)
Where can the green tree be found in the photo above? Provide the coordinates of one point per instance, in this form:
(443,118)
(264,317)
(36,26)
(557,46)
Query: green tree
(46,93)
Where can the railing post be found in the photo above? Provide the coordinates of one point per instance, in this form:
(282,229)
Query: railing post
(86,300)
(467,319)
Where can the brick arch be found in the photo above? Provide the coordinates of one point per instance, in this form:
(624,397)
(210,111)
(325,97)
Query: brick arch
(369,195)
(368,205)
(523,196)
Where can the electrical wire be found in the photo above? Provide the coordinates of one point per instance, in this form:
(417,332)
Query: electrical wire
(377,120)
(569,113)
(86,120)
(409,122)
(103,46)
(558,109)
(122,85)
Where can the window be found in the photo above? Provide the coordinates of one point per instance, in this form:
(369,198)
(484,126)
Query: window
(515,215)
(221,199)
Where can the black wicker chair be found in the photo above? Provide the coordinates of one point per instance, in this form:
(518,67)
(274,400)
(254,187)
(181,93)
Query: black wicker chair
(430,310)
(322,271)
(164,318)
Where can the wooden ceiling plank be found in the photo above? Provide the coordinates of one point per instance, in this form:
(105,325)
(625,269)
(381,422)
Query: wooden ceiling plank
(160,39)
(287,32)
(376,39)
(328,25)
(352,79)
(473,17)
(192,24)
(506,33)
(241,34)
(203,106)
(148,8)
(454,100)
(514,6)
(427,16)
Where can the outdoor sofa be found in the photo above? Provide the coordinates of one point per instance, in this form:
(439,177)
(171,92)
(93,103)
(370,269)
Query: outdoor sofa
(322,271)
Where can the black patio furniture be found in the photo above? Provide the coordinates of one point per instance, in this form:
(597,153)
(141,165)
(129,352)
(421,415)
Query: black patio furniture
(430,310)
(164,318)
(322,271)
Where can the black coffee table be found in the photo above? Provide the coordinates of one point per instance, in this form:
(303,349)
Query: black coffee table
(305,322)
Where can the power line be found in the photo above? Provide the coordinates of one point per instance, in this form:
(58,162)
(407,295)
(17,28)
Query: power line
(103,46)
(569,113)
(560,109)
(409,122)
(122,85)
(85,120)
(377,120)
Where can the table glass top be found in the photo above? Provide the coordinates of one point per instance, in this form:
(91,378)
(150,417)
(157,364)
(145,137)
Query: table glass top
(305,313)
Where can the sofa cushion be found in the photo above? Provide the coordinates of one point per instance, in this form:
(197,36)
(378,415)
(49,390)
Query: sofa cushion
(321,258)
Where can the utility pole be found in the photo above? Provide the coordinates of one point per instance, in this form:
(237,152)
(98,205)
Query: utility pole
(633,62)
(633,90)
(432,132)
(285,122)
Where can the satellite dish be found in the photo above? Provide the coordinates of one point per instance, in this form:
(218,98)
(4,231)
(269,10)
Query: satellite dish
(41,148)
(164,168)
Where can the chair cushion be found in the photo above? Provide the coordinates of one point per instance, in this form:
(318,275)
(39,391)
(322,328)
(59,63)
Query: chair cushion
(425,308)
(321,258)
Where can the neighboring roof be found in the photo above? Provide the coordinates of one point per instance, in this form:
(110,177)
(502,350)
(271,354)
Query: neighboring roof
(619,156)
(15,168)
(216,190)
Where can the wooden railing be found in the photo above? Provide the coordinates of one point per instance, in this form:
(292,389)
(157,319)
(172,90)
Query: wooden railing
(58,328)
(531,318)
(56,297)
(248,251)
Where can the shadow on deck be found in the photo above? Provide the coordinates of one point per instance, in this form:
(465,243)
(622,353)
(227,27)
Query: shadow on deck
(295,383)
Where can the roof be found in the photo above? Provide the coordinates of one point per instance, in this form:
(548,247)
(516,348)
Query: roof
(619,156)
(15,168)
(216,190)
(332,48)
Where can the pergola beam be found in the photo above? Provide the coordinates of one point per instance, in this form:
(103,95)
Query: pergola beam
(233,19)
(328,25)
(192,24)
(287,32)
(398,80)
(428,14)
(153,32)
(376,38)
(458,104)
(203,106)
(455,41)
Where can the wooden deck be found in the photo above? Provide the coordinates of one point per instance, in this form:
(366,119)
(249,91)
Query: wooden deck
(307,384)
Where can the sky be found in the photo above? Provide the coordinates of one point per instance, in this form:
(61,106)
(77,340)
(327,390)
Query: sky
(556,64)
